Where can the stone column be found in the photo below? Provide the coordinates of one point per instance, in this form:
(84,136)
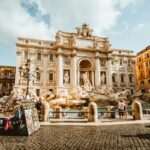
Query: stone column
(93,114)
(58,111)
(78,80)
(18,64)
(46,110)
(109,73)
(118,80)
(126,75)
(60,67)
(93,78)
(32,68)
(74,69)
(137,111)
(97,70)
(45,74)
(111,112)
(0,86)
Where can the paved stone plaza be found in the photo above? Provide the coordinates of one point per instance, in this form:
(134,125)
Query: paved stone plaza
(116,137)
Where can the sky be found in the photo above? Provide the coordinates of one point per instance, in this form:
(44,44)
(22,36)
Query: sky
(125,22)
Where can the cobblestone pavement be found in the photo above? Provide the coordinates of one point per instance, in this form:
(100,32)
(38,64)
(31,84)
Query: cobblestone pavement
(117,137)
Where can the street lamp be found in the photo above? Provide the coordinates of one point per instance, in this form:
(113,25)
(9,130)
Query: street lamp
(26,74)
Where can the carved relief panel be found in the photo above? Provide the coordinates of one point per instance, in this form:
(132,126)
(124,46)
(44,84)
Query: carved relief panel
(67,60)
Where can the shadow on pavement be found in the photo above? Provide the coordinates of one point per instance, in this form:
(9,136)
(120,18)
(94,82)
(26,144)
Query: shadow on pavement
(141,136)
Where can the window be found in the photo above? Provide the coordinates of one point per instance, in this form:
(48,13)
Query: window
(51,77)
(112,62)
(25,55)
(38,92)
(149,72)
(131,79)
(39,43)
(147,55)
(38,56)
(122,78)
(38,76)
(121,62)
(102,62)
(139,66)
(51,90)
(132,91)
(51,57)
(146,64)
(140,59)
(129,63)
(149,81)
(141,75)
(5,74)
(114,79)
(142,82)
(51,44)
(26,41)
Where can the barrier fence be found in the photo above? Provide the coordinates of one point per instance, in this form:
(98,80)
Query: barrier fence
(102,113)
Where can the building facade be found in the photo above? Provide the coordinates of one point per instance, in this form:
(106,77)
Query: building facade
(7,79)
(62,64)
(143,69)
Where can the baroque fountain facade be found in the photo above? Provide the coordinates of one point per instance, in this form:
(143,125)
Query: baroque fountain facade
(75,65)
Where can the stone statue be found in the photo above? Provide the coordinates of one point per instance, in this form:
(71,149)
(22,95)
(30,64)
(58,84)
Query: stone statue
(96,44)
(87,85)
(73,41)
(90,32)
(103,78)
(66,78)
(59,39)
(66,60)
(46,109)
(79,31)
(106,45)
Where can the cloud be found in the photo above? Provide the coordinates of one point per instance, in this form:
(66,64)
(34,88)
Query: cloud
(67,14)
(140,27)
(42,18)
(33,9)
(15,21)
(126,3)
(124,26)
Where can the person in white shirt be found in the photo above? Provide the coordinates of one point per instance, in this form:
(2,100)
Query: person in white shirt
(121,107)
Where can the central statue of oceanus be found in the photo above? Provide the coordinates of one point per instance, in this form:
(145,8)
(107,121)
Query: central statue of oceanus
(87,85)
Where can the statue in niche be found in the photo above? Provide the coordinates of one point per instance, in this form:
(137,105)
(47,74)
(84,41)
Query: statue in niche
(79,31)
(100,45)
(95,44)
(73,41)
(86,83)
(59,38)
(90,32)
(106,45)
(66,77)
(67,60)
(103,78)
(85,33)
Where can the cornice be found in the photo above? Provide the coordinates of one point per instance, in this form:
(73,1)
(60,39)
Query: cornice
(35,46)
(123,55)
